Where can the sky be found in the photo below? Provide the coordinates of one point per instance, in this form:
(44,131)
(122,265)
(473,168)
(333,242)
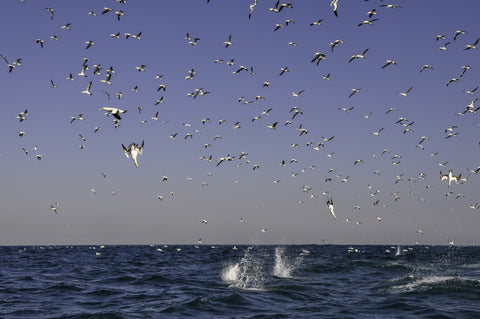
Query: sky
(385,187)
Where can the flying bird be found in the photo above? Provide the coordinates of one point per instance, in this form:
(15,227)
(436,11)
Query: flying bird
(330,207)
(89,44)
(471,46)
(335,44)
(406,92)
(228,42)
(450,177)
(358,56)
(334,4)
(387,63)
(51,10)
(133,151)
(113,111)
(87,90)
(457,33)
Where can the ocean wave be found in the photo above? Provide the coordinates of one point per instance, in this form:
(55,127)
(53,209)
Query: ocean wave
(441,283)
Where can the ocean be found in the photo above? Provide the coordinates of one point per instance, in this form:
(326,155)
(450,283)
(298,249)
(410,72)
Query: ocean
(292,281)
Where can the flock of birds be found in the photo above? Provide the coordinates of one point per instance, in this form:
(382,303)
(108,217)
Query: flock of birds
(135,149)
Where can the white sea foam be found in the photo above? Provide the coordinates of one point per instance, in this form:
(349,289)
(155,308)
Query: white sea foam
(430,282)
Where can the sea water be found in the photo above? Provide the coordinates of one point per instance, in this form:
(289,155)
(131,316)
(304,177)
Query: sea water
(310,281)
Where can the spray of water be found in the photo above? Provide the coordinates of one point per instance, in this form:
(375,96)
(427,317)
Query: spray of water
(399,251)
(283,268)
(248,273)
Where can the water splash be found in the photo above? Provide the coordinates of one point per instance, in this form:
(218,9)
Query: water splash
(283,268)
(248,273)
(399,251)
(437,282)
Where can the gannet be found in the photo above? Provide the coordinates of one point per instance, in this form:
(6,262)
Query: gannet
(387,63)
(391,6)
(406,92)
(87,90)
(228,42)
(450,177)
(465,68)
(82,73)
(39,41)
(319,56)
(457,33)
(358,56)
(89,44)
(51,10)
(297,94)
(272,126)
(471,46)
(194,41)
(53,207)
(377,133)
(367,22)
(113,111)
(275,7)
(345,109)
(452,80)
(252,6)
(426,66)
(133,151)
(334,44)
(334,4)
(330,207)
(353,92)
(371,13)
(444,47)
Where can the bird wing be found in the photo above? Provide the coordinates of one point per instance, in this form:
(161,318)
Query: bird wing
(126,151)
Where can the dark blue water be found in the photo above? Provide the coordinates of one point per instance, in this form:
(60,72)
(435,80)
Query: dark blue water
(250,282)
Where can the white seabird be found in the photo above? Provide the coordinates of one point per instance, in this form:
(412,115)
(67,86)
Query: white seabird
(450,177)
(133,151)
(330,207)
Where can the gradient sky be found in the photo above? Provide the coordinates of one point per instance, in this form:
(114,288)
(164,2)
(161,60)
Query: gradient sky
(426,212)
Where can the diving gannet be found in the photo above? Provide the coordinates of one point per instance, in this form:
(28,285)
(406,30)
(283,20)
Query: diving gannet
(133,151)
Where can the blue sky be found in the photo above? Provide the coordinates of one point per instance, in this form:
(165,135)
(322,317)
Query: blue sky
(293,210)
